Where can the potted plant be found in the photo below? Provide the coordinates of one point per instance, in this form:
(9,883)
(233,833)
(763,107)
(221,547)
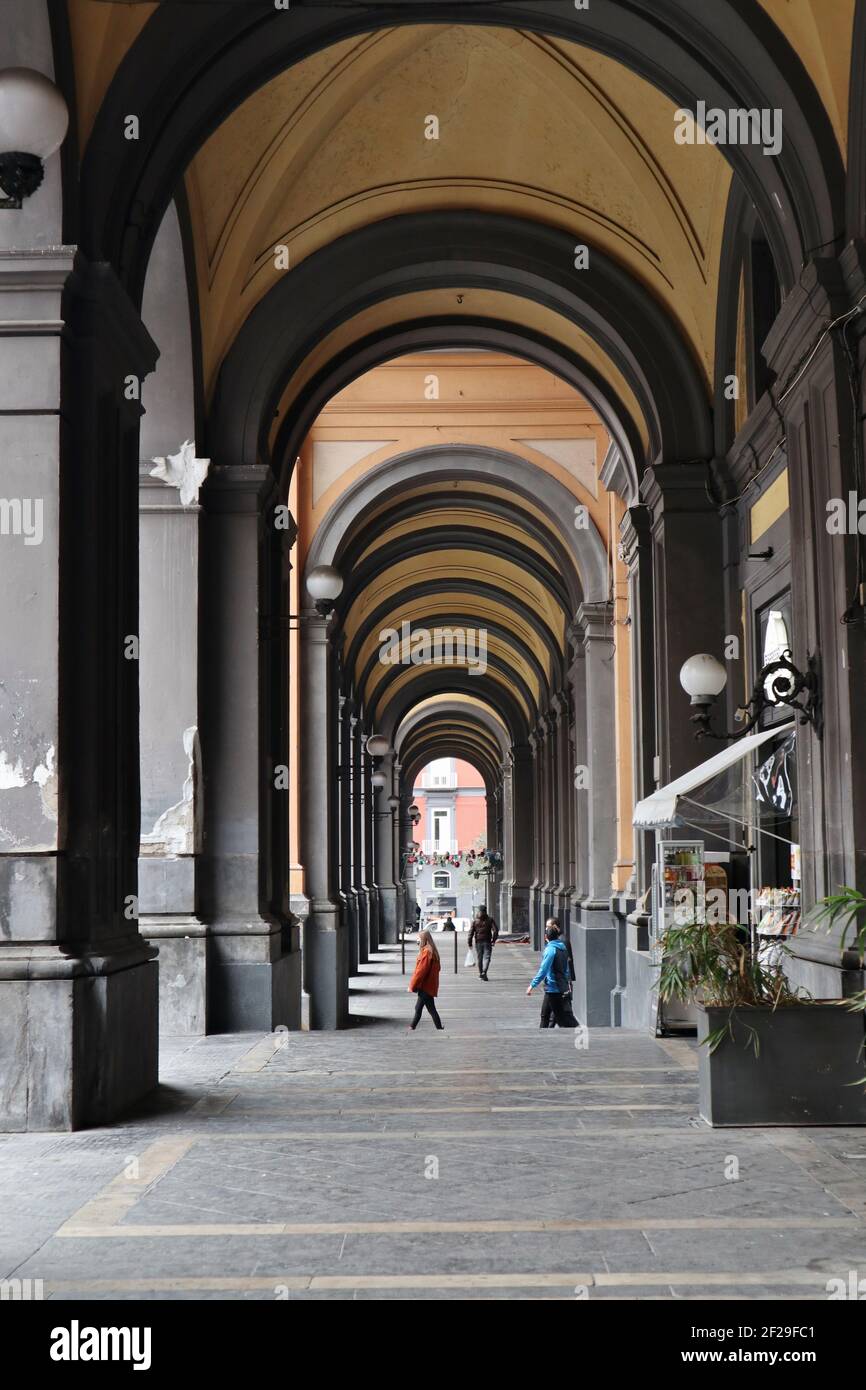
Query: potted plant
(769,1054)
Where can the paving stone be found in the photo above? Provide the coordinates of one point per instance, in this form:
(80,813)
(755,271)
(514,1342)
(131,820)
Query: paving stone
(334,1131)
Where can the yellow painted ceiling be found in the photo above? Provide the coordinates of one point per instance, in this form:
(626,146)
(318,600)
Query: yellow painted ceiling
(487,489)
(457,517)
(410,673)
(482,610)
(443,565)
(528,125)
(463,303)
(101,36)
(434,702)
(820,33)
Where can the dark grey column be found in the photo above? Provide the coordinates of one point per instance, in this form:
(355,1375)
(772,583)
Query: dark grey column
(254,964)
(821,419)
(594,938)
(536,906)
(78,985)
(579,769)
(522,818)
(387,859)
(168,625)
(347,899)
(491,883)
(374,801)
(170,752)
(637,555)
(326,945)
(688,592)
(562,786)
(506,886)
(358,887)
(547,835)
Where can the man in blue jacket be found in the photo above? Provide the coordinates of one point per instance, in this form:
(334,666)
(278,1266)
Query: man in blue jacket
(555,973)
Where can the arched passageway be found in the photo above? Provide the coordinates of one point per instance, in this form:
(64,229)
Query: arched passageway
(303,200)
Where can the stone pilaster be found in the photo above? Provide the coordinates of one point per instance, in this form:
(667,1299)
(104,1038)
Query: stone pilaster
(326,945)
(243,889)
(170,751)
(594,935)
(636,550)
(78,985)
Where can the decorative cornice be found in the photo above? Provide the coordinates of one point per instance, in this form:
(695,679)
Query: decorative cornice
(237,488)
(817,299)
(596,622)
(635,531)
(677,487)
(615,476)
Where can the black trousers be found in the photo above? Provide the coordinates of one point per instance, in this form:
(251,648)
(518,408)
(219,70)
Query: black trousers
(426,1001)
(556,1012)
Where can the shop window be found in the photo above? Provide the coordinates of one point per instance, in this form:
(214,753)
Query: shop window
(442,880)
(774,638)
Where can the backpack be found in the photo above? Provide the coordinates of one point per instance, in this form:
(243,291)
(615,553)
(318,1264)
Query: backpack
(560,971)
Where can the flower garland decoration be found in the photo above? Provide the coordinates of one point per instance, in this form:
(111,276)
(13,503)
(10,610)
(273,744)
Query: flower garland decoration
(478,862)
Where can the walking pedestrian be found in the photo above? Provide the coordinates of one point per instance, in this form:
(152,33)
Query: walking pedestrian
(554,971)
(483,934)
(425,980)
(548,1018)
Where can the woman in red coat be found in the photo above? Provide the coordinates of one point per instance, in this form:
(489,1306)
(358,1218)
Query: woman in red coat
(425,980)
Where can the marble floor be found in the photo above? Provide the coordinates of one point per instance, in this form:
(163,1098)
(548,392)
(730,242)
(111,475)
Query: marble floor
(489,1161)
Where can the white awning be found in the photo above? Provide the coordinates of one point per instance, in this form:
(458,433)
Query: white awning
(659,811)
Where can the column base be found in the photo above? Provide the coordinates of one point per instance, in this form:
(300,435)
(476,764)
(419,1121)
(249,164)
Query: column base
(183,951)
(372,919)
(254,977)
(326,966)
(594,943)
(515,911)
(78,1036)
(390,914)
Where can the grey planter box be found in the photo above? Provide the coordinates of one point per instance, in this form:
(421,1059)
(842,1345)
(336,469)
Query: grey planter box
(808,1055)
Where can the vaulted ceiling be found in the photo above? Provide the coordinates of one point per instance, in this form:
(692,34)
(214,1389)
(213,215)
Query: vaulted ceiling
(529,125)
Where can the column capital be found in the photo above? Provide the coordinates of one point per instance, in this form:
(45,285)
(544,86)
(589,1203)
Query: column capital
(678,487)
(819,297)
(595,622)
(97,310)
(238,487)
(559,704)
(520,755)
(635,531)
(616,476)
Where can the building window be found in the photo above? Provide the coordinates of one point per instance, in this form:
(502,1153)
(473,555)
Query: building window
(442,880)
(441,831)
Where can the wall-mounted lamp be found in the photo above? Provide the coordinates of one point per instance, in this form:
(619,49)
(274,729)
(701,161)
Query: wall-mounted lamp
(33,124)
(324,585)
(779,683)
(378,746)
(378,781)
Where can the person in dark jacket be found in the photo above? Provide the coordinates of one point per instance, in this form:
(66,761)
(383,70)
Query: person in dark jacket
(425,980)
(554,971)
(548,1018)
(483,934)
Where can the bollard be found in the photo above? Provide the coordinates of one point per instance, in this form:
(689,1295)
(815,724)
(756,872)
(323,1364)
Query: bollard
(455,951)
